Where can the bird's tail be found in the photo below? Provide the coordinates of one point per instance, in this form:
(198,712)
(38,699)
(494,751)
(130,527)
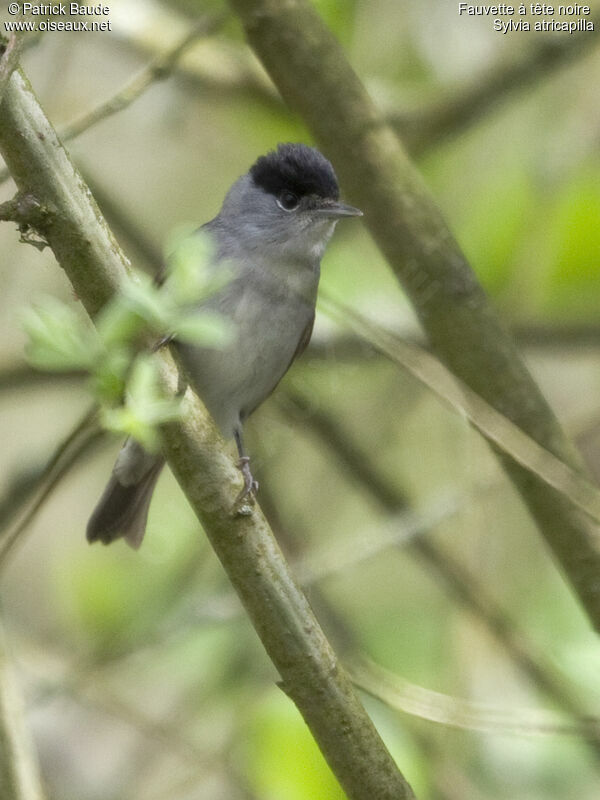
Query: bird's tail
(123,508)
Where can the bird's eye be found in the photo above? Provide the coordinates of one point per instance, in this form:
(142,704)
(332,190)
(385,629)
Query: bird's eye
(288,201)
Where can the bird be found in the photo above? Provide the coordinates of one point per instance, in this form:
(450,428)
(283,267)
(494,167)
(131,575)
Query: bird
(271,233)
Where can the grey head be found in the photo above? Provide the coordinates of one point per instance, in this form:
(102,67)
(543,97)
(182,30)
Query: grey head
(287,205)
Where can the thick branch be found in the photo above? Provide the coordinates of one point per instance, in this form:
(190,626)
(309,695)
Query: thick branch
(312,73)
(308,667)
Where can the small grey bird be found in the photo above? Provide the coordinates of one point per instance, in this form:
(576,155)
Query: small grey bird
(271,231)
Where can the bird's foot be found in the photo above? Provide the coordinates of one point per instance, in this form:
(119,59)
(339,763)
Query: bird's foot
(162,342)
(245,498)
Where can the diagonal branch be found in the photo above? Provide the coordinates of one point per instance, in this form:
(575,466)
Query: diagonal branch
(425,129)
(313,75)
(311,674)
(457,580)
(159,69)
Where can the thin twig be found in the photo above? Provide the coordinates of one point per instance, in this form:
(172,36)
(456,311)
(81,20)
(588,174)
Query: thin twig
(160,69)
(456,712)
(349,646)
(499,429)
(66,455)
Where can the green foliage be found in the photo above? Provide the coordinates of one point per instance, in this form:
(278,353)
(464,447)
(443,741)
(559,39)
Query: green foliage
(573,278)
(123,376)
(59,338)
(498,221)
(284,760)
(144,409)
(139,589)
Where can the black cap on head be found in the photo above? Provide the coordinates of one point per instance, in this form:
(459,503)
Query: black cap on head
(295,168)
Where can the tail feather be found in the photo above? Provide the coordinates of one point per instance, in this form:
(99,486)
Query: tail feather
(123,510)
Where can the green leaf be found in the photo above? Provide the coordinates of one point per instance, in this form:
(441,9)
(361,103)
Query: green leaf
(144,410)
(205,328)
(60,339)
(117,324)
(191,274)
(188,269)
(140,296)
(108,379)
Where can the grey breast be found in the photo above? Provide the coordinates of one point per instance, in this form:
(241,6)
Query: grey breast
(269,314)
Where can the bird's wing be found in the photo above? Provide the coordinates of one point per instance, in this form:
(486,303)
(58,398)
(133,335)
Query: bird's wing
(304,340)
(301,347)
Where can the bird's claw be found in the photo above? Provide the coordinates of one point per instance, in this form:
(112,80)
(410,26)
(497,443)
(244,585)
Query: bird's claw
(245,498)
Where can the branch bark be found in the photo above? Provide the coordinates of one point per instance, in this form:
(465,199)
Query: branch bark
(311,675)
(314,77)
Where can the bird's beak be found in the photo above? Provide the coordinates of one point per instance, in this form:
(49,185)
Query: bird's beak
(334,209)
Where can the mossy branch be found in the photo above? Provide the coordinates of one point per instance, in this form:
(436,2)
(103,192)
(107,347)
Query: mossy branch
(311,675)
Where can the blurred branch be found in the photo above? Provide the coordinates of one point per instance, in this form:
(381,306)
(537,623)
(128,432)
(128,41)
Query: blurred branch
(85,683)
(446,776)
(312,73)
(22,376)
(508,437)
(405,696)
(68,453)
(19,775)
(160,69)
(310,672)
(425,129)
(328,430)
(347,346)
(458,581)
(225,68)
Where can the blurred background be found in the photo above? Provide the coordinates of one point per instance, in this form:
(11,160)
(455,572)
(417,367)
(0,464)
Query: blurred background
(142,677)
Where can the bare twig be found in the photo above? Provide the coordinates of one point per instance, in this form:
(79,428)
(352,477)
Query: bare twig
(68,453)
(460,713)
(160,69)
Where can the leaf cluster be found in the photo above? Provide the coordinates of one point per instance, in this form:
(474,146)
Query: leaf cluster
(114,352)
